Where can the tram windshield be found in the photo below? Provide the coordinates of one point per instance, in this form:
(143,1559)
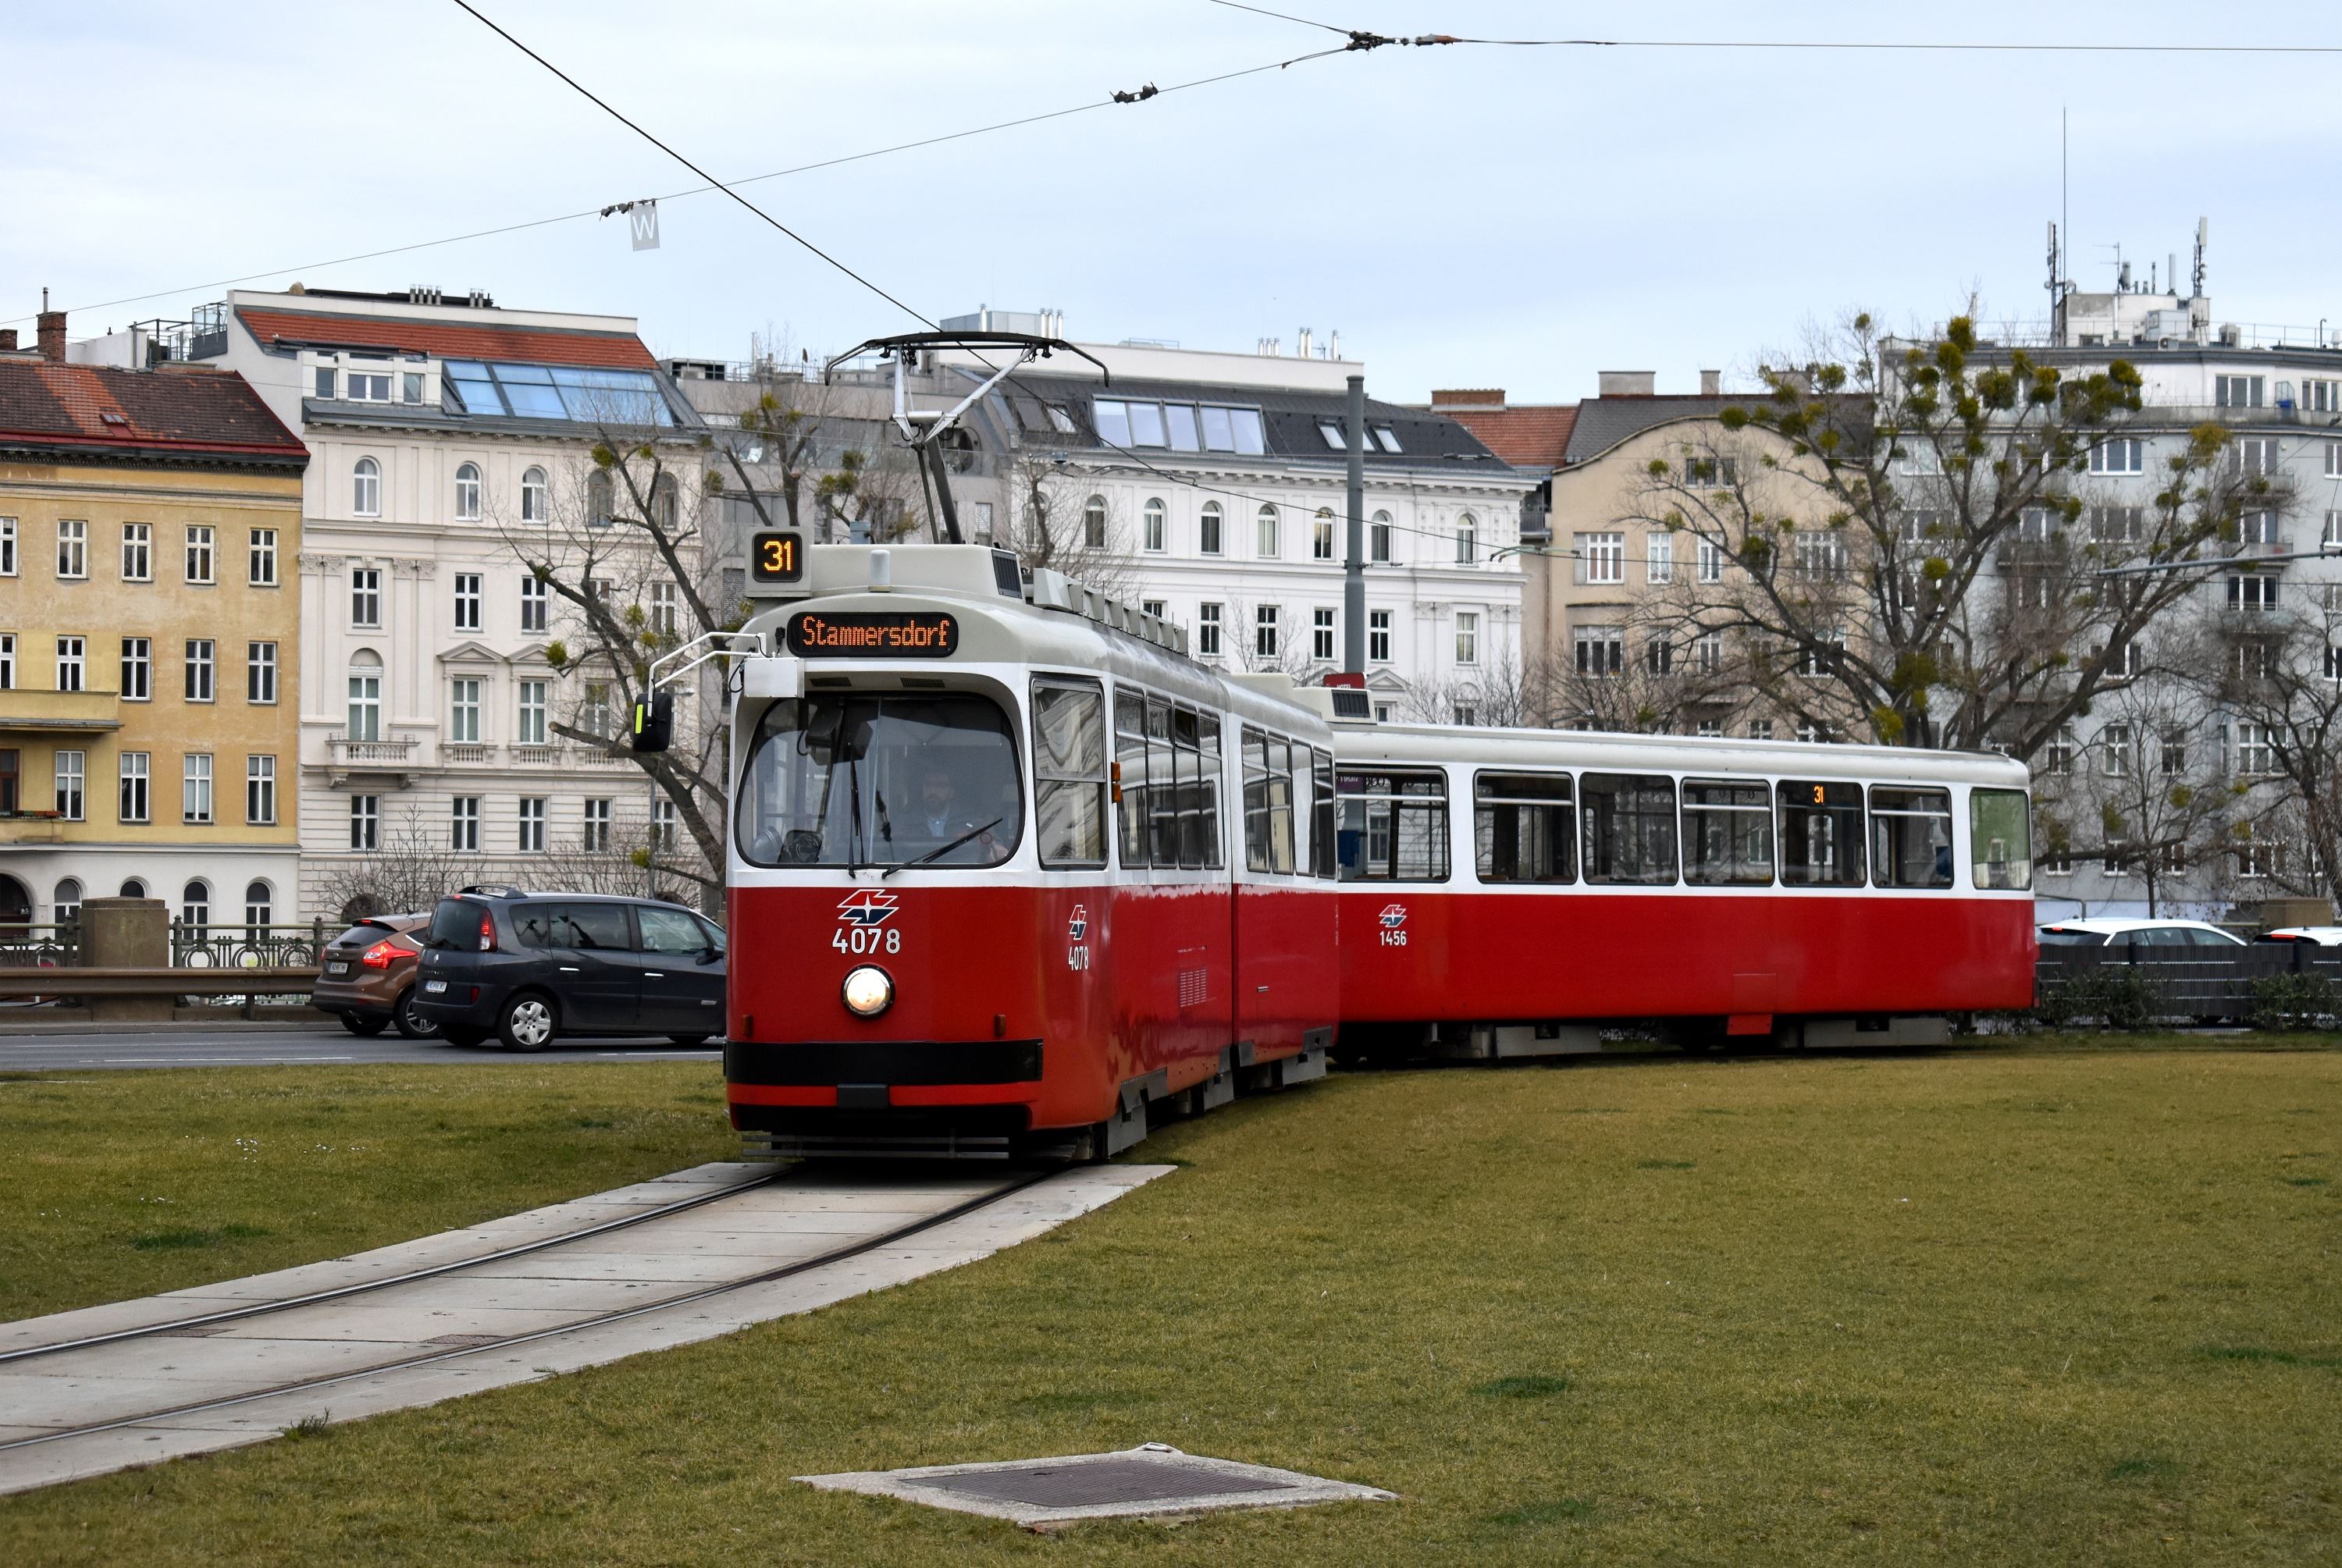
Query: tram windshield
(887,780)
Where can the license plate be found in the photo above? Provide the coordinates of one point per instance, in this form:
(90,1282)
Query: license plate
(434,986)
(337,969)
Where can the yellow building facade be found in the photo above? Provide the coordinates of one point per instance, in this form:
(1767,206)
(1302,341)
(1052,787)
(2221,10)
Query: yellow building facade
(150,536)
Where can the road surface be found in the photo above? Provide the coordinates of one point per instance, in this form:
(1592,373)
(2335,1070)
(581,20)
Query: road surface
(212,1046)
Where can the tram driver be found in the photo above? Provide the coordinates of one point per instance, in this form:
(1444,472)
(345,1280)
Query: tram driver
(941,818)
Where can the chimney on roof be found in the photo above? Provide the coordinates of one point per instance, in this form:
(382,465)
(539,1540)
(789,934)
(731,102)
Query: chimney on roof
(51,334)
(1711,383)
(1627,384)
(1468,397)
(7,339)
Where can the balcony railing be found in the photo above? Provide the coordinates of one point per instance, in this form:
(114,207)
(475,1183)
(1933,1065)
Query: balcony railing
(467,752)
(397,752)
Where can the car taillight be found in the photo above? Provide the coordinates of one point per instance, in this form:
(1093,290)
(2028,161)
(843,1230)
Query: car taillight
(380,954)
(488,932)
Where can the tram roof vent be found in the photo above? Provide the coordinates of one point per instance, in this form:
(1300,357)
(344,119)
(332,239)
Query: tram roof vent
(1055,590)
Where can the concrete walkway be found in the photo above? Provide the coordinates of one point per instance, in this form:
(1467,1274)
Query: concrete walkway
(419,1342)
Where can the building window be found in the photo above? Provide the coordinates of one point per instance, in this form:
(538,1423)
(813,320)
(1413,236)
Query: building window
(1321,633)
(138,552)
(980,518)
(1810,734)
(464,710)
(68,902)
(1378,539)
(2113,751)
(1264,631)
(1710,729)
(535,496)
(1707,652)
(665,821)
(1378,637)
(258,909)
(1760,729)
(665,609)
(1819,557)
(131,805)
(1602,557)
(201,564)
(7,546)
(531,732)
(1601,651)
(2254,593)
(2256,749)
(1207,530)
(197,665)
(1155,516)
(367,386)
(597,824)
(365,696)
(1207,631)
(1158,608)
(1321,537)
(593,713)
(2237,391)
(73,548)
(1468,637)
(195,787)
(7,661)
(1094,523)
(467,601)
(535,605)
(137,669)
(260,793)
(365,488)
(1817,660)
(196,905)
(1468,540)
(467,493)
(260,672)
(2057,755)
(1659,558)
(365,596)
(366,822)
(1264,528)
(2321,396)
(260,558)
(2258,528)
(464,822)
(2255,861)
(2257,454)
(532,824)
(73,780)
(600,492)
(323,381)
(73,655)
(1711,562)
(1659,655)
(2125,455)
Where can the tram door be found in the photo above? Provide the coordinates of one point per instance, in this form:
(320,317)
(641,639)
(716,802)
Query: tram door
(1171,930)
(1287,976)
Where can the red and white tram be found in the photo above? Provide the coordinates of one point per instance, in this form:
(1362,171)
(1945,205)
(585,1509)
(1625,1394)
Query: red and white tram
(1011,874)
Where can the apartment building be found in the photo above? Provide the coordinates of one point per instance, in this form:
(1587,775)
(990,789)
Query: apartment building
(150,652)
(441,427)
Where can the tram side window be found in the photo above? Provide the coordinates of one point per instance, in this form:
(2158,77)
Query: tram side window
(1130,765)
(1268,802)
(2000,839)
(1321,814)
(1525,827)
(1910,837)
(1821,835)
(1162,789)
(1394,826)
(1208,742)
(1630,828)
(1727,827)
(1069,772)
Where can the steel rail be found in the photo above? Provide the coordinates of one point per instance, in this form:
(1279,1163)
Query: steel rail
(602,1320)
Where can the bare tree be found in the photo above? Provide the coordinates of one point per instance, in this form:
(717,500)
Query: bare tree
(1064,523)
(410,868)
(1659,672)
(1917,553)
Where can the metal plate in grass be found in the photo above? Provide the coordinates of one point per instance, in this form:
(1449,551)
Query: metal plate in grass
(1152,1479)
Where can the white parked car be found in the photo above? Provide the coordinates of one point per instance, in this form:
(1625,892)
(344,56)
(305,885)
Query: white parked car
(2105,932)
(2316,935)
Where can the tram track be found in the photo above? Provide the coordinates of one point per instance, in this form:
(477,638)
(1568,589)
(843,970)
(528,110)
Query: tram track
(479,1346)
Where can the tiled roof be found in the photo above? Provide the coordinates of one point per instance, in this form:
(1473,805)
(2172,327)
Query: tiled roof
(1532,437)
(460,340)
(195,413)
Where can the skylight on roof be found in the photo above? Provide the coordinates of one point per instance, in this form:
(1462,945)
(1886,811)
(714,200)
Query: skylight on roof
(1387,438)
(556,392)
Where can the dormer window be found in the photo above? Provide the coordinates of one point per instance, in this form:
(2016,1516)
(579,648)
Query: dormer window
(368,386)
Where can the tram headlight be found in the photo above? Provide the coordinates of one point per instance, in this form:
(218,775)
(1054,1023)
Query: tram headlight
(869,991)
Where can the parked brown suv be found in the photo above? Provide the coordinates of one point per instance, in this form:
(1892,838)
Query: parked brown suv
(366,975)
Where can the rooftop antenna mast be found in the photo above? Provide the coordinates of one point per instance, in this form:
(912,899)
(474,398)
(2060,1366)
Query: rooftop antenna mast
(2203,232)
(923,429)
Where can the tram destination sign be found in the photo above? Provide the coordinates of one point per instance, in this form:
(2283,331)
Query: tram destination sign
(913,634)
(776,555)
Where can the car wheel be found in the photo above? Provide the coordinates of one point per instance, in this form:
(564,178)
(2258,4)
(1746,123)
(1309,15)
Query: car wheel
(364,1024)
(528,1022)
(689,1040)
(412,1025)
(456,1034)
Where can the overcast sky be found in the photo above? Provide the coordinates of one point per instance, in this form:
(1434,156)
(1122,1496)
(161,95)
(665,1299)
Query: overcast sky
(1463,216)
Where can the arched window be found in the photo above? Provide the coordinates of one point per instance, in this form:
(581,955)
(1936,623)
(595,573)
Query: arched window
(133,888)
(535,496)
(68,902)
(258,908)
(1468,540)
(1094,523)
(1156,519)
(365,488)
(365,695)
(1378,538)
(597,498)
(1266,523)
(196,904)
(1207,529)
(663,506)
(467,493)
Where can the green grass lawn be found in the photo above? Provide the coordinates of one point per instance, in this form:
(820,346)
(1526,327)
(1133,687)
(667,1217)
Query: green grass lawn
(2015,1305)
(124,1184)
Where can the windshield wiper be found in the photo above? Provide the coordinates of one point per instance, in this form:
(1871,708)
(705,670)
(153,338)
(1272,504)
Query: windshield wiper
(854,815)
(941,850)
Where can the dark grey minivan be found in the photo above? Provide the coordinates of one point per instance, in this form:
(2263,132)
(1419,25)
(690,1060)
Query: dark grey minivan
(530,967)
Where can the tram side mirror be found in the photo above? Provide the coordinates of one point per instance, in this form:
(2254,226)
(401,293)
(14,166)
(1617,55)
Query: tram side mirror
(654,726)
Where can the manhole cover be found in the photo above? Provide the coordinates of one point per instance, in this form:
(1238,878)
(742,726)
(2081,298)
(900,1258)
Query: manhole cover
(1154,1479)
